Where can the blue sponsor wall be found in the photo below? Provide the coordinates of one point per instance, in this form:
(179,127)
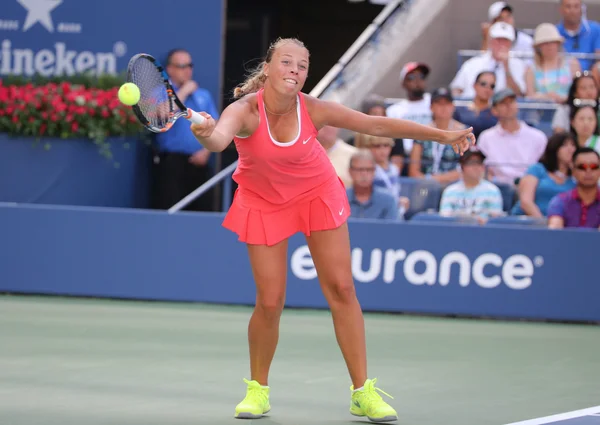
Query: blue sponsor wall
(58,38)
(73,36)
(420,268)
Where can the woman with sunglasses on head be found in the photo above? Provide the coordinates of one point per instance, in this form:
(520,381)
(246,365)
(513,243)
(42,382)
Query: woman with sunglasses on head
(583,87)
(549,177)
(479,112)
(584,123)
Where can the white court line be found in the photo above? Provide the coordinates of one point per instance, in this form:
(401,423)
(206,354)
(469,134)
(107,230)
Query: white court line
(560,417)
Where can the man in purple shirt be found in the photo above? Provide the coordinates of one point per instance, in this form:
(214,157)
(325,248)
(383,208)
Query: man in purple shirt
(579,207)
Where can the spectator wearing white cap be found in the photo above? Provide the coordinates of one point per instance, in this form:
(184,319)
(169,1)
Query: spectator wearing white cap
(501,11)
(417,106)
(510,71)
(551,74)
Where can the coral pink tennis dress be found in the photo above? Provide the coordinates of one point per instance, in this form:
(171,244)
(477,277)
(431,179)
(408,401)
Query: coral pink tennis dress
(284,188)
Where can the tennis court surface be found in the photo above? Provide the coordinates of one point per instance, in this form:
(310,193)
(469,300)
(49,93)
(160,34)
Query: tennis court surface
(71,361)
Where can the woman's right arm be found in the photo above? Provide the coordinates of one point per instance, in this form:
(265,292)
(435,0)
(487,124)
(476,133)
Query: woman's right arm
(527,187)
(214,136)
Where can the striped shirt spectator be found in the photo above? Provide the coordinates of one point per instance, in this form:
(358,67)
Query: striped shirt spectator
(472,195)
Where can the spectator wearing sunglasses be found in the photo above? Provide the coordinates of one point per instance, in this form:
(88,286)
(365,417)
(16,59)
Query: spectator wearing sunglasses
(181,163)
(417,106)
(581,35)
(583,87)
(478,114)
(579,207)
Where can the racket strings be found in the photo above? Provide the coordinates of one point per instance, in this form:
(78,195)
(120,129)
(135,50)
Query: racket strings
(154,103)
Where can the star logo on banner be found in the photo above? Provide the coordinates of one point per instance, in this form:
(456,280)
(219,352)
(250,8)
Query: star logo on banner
(39,11)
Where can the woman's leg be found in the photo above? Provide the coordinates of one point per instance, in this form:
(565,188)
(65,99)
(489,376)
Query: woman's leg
(330,251)
(269,267)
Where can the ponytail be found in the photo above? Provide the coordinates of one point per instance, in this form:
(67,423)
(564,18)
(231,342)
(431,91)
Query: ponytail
(256,79)
(254,82)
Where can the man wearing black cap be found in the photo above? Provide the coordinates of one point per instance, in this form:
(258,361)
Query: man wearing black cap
(472,195)
(429,159)
(511,146)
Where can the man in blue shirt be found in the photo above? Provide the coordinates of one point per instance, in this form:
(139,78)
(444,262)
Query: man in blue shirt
(366,200)
(581,35)
(182,163)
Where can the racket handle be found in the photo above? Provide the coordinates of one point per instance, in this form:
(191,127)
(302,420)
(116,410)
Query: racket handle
(194,117)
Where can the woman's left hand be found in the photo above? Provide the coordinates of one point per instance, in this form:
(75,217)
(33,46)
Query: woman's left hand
(461,140)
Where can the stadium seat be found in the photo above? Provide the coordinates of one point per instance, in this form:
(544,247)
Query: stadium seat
(520,220)
(434,216)
(424,195)
(509,194)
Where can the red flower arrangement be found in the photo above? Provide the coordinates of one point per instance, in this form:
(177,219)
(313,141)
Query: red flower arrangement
(64,110)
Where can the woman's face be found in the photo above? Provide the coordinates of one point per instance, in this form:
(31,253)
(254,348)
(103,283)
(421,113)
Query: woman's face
(442,109)
(378,111)
(381,150)
(566,151)
(584,122)
(549,50)
(484,87)
(586,88)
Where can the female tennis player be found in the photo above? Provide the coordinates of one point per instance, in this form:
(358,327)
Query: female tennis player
(287,184)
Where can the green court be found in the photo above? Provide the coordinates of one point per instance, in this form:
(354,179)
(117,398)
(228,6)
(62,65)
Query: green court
(99,362)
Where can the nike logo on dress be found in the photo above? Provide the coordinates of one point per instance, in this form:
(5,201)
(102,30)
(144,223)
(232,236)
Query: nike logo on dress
(341,211)
(306,141)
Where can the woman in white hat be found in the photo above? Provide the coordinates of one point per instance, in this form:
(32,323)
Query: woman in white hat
(551,74)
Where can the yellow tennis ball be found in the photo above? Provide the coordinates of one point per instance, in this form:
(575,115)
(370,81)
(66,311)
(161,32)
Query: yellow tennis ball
(129,94)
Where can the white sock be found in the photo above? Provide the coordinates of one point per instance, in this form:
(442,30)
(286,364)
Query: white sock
(358,389)
(264,386)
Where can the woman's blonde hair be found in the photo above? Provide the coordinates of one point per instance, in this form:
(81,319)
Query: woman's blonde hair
(256,79)
(365,141)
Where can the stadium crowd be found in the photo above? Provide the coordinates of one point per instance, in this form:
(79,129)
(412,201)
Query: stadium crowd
(547,174)
(543,171)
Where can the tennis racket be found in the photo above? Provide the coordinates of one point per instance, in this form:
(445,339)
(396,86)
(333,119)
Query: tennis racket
(158,107)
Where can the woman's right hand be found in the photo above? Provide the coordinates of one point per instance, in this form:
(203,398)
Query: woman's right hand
(204,130)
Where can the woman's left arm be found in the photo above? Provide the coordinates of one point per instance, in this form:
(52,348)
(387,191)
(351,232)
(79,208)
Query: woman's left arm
(324,112)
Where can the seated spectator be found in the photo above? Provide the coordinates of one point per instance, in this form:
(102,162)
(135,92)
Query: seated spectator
(375,105)
(387,175)
(417,106)
(583,87)
(479,112)
(547,178)
(366,200)
(510,71)
(551,74)
(579,207)
(472,195)
(429,159)
(584,124)
(581,35)
(338,151)
(501,11)
(511,146)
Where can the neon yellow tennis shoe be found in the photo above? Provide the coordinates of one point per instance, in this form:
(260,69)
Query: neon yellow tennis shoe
(367,402)
(256,402)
